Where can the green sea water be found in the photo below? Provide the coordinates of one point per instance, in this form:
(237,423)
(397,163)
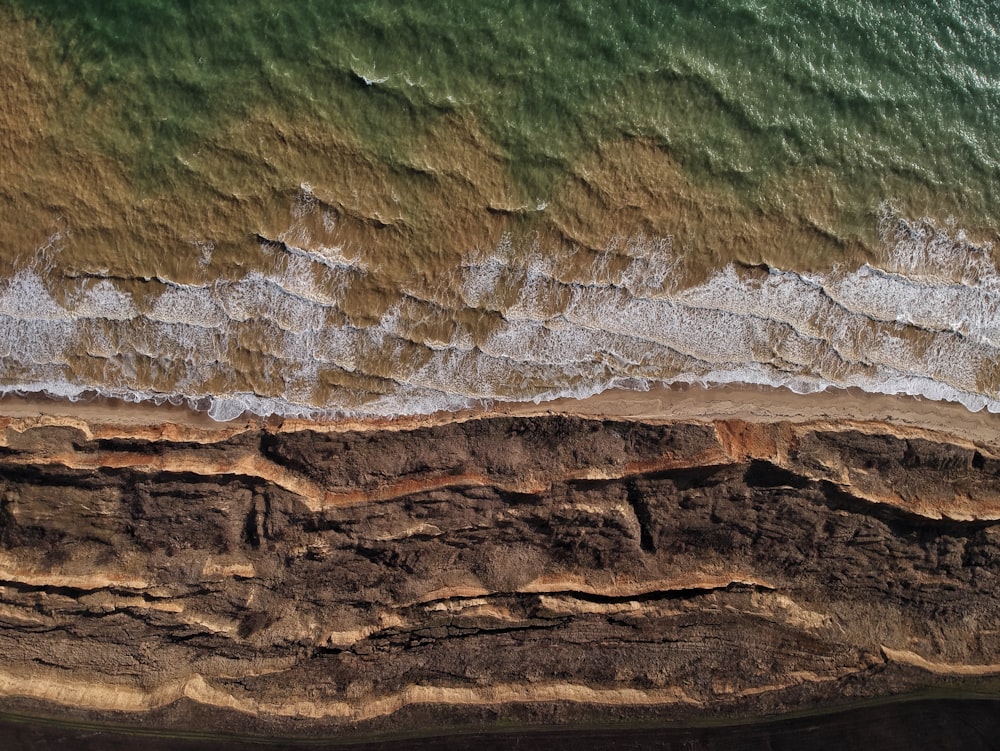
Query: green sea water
(885,99)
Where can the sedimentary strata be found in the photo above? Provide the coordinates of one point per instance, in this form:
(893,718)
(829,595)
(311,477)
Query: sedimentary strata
(295,579)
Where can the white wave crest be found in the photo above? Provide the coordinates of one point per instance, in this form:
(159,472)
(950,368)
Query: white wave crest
(924,320)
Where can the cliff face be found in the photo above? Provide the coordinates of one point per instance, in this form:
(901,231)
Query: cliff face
(541,568)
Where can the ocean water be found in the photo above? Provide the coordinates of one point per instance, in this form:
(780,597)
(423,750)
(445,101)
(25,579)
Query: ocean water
(948,724)
(370,208)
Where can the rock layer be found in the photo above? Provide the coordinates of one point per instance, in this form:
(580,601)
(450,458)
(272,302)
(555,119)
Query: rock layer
(297,580)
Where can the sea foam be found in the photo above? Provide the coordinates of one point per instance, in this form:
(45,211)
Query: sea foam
(924,319)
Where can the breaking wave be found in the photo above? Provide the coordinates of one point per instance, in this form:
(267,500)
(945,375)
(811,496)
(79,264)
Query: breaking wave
(299,339)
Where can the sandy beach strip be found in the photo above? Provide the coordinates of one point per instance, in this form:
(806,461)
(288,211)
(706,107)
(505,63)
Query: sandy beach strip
(658,405)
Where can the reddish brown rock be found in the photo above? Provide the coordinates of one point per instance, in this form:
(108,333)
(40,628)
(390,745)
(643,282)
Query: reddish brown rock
(547,568)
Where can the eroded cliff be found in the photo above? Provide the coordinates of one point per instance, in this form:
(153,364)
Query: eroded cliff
(291,580)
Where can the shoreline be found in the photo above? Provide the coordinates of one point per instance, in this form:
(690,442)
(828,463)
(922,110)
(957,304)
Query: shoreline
(659,404)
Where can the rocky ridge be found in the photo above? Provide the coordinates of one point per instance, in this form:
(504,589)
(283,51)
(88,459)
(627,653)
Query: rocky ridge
(288,579)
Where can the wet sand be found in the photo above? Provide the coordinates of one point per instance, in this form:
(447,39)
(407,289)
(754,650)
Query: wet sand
(946,724)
